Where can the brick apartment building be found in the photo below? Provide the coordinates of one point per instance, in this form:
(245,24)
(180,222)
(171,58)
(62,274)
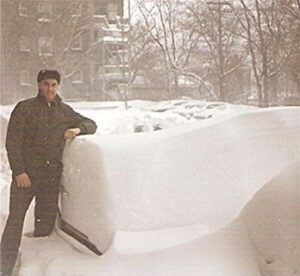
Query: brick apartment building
(86,40)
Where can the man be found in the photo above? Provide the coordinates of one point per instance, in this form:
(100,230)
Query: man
(35,140)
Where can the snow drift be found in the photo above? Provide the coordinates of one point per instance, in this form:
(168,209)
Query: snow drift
(272,222)
(263,240)
(202,173)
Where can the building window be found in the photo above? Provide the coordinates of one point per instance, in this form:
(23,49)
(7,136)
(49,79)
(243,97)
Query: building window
(23,9)
(44,12)
(99,8)
(45,46)
(77,43)
(76,10)
(24,44)
(99,32)
(112,11)
(25,78)
(96,34)
(77,77)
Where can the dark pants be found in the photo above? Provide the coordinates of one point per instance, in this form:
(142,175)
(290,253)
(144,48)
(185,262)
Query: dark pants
(45,189)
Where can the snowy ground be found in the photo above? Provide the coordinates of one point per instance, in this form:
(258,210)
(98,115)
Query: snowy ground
(244,245)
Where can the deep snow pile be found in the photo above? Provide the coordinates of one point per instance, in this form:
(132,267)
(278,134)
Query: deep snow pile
(147,116)
(269,219)
(181,176)
(203,234)
(272,221)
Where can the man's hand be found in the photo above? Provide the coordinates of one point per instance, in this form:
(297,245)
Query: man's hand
(23,180)
(71,133)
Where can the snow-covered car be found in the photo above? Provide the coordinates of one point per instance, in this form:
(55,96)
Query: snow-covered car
(175,177)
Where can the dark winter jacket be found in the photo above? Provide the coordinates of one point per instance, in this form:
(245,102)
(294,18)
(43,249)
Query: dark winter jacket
(35,134)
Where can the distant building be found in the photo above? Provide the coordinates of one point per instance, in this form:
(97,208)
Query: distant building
(85,40)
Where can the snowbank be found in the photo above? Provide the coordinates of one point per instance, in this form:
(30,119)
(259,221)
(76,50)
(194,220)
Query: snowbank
(201,173)
(263,240)
(4,169)
(225,253)
(147,116)
(272,220)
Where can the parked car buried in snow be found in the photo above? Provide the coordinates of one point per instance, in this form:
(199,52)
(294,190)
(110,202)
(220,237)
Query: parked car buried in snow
(138,182)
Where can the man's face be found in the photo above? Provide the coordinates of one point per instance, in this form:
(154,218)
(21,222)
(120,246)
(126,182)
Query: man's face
(48,88)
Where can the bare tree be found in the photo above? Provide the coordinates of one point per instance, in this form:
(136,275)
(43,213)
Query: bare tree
(218,31)
(266,33)
(71,27)
(291,11)
(165,22)
(143,55)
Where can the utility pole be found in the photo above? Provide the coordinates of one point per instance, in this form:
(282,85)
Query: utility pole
(221,58)
(129,51)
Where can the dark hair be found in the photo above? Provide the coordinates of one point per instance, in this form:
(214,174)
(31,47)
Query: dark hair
(48,74)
